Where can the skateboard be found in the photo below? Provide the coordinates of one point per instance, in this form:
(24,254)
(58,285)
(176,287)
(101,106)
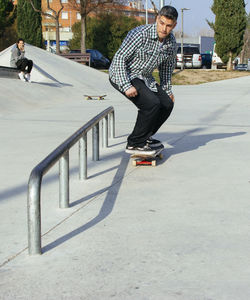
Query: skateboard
(88,97)
(146,159)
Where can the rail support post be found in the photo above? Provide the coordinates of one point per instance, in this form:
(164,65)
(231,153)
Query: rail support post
(34,214)
(83,157)
(64,181)
(112,124)
(95,142)
(105,132)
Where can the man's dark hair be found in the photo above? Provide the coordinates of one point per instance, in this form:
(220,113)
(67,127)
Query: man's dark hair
(19,40)
(169,12)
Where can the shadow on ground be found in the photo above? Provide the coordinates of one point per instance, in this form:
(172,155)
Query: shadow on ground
(193,142)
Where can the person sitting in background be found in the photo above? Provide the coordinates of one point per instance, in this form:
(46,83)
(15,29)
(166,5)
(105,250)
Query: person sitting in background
(19,61)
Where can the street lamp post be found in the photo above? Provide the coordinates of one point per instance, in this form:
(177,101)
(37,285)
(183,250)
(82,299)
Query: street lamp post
(182,34)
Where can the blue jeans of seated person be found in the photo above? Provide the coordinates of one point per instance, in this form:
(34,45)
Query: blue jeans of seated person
(154,108)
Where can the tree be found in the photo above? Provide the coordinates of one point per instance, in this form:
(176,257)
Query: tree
(156,11)
(7,15)
(104,32)
(75,42)
(29,22)
(53,15)
(119,28)
(245,53)
(85,7)
(9,37)
(229,28)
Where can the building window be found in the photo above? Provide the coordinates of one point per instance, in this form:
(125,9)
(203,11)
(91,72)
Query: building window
(64,1)
(78,16)
(65,15)
(77,1)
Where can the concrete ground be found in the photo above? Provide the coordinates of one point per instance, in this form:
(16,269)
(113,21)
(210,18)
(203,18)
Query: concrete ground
(178,231)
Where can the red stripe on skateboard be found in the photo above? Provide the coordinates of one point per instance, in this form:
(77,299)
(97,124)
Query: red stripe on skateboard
(144,162)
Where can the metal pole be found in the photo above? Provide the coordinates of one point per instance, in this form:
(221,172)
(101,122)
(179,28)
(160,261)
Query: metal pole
(182,36)
(34,214)
(146,2)
(62,154)
(182,62)
(112,125)
(102,130)
(105,132)
(64,181)
(95,142)
(161,3)
(83,157)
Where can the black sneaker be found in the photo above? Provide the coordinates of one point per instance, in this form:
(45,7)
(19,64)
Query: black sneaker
(140,150)
(153,142)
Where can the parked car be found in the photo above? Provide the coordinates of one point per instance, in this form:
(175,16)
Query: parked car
(217,63)
(75,51)
(191,57)
(97,60)
(206,60)
(241,67)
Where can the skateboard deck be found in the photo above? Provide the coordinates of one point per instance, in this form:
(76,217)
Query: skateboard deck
(146,159)
(88,97)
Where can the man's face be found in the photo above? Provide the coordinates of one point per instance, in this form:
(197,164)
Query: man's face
(164,26)
(21,45)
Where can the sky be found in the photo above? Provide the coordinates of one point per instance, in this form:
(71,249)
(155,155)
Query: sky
(194,20)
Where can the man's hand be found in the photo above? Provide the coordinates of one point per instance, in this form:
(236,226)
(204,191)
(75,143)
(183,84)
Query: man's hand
(172,97)
(131,92)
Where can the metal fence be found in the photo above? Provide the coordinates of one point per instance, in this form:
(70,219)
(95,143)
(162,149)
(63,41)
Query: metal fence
(61,154)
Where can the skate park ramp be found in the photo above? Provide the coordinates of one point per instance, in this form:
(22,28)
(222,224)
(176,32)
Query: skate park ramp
(177,231)
(54,78)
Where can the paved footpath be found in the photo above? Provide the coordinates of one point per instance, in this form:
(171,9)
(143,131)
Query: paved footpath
(178,231)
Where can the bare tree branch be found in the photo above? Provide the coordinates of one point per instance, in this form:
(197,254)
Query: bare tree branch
(87,6)
(55,16)
(156,11)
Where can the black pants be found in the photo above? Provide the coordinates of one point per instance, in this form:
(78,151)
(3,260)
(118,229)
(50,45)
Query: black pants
(154,108)
(24,63)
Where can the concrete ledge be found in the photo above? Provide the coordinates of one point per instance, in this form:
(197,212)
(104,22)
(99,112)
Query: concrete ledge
(8,72)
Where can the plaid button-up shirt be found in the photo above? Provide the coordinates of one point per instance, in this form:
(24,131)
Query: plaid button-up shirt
(140,54)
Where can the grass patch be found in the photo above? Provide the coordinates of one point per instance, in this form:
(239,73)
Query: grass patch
(199,76)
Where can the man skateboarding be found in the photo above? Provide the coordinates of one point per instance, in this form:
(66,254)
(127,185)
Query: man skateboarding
(146,48)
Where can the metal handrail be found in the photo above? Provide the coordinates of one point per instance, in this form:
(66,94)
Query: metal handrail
(61,153)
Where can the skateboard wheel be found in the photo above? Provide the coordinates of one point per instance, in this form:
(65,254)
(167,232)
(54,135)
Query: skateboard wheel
(161,156)
(153,163)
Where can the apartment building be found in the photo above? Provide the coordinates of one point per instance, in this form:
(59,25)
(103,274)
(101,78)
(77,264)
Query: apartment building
(69,15)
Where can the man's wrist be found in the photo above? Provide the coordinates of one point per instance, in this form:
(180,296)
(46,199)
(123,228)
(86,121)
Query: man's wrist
(126,86)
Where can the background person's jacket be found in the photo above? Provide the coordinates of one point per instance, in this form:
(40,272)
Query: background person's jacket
(16,55)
